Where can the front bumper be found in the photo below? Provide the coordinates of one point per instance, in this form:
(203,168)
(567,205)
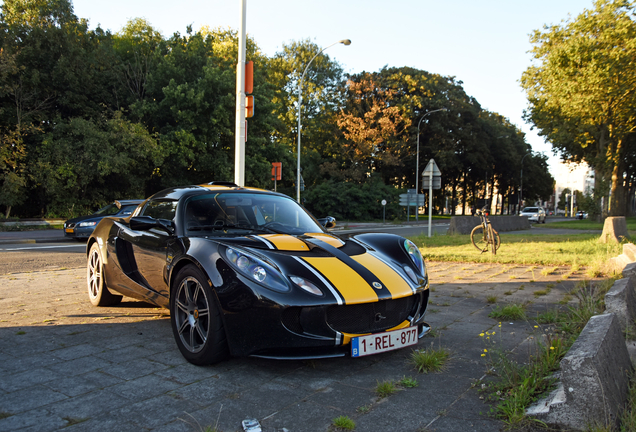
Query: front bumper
(79,232)
(273,330)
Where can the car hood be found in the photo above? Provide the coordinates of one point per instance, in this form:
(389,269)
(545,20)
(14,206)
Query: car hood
(357,272)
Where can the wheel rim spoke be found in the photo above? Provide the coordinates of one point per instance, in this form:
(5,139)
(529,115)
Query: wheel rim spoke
(191,310)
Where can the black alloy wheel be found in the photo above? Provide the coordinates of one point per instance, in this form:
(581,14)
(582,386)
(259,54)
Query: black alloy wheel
(196,320)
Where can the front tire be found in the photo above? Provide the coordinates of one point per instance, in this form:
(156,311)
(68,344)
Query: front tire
(98,293)
(196,319)
(478,239)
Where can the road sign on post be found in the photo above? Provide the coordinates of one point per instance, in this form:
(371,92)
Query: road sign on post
(431,172)
(277,172)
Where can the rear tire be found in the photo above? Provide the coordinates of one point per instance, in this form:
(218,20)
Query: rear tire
(496,241)
(98,293)
(196,320)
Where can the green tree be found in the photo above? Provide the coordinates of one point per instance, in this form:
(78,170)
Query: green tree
(322,97)
(581,90)
(88,163)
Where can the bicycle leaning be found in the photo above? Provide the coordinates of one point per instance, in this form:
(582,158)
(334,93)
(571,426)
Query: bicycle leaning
(484,236)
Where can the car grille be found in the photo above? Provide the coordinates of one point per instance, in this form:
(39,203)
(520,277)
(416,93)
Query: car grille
(70,225)
(370,317)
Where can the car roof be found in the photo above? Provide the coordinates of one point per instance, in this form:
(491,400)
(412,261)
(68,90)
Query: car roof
(176,193)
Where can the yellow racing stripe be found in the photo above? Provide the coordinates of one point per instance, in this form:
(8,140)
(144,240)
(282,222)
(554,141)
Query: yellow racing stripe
(397,286)
(327,238)
(286,242)
(353,288)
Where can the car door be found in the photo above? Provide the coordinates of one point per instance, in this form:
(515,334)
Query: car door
(149,246)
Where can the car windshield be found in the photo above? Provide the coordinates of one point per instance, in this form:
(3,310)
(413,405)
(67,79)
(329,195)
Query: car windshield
(109,210)
(530,210)
(228,212)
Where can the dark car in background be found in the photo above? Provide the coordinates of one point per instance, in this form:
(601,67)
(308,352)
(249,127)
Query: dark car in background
(80,228)
(581,214)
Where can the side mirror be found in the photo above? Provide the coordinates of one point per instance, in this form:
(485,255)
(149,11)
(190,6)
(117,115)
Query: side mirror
(145,223)
(327,222)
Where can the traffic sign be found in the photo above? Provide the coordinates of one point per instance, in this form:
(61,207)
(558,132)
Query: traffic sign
(412,200)
(432,166)
(437,182)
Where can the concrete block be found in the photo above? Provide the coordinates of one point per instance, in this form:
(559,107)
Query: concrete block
(629,249)
(621,301)
(614,230)
(465,224)
(595,377)
(629,270)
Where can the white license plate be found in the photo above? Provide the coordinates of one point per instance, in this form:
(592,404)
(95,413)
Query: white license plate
(383,342)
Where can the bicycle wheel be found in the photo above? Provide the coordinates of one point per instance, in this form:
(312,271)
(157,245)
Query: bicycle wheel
(493,240)
(497,239)
(478,238)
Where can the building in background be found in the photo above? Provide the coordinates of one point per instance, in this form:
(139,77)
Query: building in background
(572,176)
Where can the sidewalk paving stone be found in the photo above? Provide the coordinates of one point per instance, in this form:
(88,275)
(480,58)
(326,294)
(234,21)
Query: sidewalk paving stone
(67,365)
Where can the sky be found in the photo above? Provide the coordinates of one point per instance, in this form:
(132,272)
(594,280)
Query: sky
(483,43)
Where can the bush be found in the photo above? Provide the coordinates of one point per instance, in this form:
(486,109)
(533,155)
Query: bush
(351,201)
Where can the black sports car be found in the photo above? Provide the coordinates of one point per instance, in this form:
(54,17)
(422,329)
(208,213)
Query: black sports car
(249,272)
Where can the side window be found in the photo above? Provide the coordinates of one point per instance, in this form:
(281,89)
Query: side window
(160,209)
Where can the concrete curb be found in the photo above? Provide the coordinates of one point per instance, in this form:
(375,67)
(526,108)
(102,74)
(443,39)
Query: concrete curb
(594,375)
(34,222)
(621,262)
(594,379)
(465,224)
(33,241)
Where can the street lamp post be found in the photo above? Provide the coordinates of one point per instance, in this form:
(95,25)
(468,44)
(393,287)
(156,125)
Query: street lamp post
(521,185)
(345,42)
(417,160)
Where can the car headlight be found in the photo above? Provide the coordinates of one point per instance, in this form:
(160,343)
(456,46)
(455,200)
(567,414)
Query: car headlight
(256,269)
(85,224)
(416,257)
(306,285)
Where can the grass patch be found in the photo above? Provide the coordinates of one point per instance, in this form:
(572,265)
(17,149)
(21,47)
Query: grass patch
(518,385)
(343,423)
(511,311)
(491,299)
(580,224)
(408,382)
(73,421)
(556,250)
(385,388)
(364,409)
(628,416)
(430,359)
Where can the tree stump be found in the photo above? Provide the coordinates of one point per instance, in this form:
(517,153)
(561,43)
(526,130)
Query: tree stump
(614,230)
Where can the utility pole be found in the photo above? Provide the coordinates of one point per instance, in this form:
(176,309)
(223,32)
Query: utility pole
(239,135)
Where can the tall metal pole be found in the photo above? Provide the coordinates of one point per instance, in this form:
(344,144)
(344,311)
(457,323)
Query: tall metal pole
(300,102)
(417,162)
(239,135)
(521,185)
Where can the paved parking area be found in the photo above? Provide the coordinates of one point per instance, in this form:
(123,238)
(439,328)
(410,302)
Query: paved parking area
(66,364)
